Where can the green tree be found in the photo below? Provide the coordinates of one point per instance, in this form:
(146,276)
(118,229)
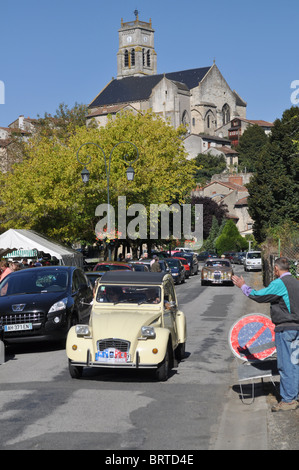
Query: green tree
(230,239)
(250,146)
(45,191)
(209,243)
(208,165)
(274,188)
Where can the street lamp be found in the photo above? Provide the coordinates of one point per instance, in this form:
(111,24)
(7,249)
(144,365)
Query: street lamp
(129,172)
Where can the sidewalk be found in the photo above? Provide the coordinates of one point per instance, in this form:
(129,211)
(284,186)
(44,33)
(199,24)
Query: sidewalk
(254,426)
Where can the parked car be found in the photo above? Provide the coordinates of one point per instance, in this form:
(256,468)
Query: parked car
(177,270)
(139,266)
(105,266)
(130,326)
(92,276)
(163,265)
(229,255)
(43,303)
(217,271)
(239,257)
(185,264)
(252,261)
(192,261)
(203,255)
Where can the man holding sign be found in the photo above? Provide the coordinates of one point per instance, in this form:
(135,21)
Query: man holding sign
(283,295)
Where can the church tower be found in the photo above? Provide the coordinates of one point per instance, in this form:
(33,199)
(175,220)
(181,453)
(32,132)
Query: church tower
(136,56)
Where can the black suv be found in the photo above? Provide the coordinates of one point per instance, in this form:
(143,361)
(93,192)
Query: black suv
(42,303)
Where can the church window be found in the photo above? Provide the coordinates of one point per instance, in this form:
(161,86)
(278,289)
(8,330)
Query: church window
(143,57)
(208,121)
(133,57)
(225,114)
(193,122)
(148,58)
(185,119)
(126,58)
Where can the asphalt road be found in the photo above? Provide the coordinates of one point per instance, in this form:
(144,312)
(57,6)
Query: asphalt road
(42,408)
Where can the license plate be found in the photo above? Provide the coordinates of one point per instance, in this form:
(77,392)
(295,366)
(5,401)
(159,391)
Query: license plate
(18,327)
(112,356)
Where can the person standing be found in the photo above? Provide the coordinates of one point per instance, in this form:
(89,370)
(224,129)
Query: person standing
(283,295)
(155,267)
(5,269)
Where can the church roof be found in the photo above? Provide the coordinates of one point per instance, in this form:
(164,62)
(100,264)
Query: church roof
(130,89)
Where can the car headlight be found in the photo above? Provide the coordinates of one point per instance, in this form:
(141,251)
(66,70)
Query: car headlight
(148,332)
(82,330)
(60,305)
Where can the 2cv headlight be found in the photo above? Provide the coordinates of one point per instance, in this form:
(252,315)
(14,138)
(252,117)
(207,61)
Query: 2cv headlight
(148,332)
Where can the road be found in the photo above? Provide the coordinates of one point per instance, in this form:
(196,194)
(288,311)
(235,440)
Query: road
(43,408)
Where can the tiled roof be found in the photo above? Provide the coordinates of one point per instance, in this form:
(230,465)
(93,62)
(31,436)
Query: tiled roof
(130,89)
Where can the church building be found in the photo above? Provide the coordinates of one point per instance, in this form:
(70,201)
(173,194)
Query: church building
(200,98)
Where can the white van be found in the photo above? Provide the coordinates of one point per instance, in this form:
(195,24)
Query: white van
(253,260)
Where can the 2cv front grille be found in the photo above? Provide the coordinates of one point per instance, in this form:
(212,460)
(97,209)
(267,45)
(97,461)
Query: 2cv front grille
(116,343)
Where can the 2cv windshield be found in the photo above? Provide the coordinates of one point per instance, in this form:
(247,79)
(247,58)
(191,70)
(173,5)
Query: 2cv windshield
(128,294)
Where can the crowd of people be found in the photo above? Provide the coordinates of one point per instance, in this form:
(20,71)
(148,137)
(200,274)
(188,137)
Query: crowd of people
(9,266)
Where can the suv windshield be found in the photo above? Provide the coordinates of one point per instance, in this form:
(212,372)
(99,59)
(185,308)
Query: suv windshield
(128,294)
(253,255)
(32,282)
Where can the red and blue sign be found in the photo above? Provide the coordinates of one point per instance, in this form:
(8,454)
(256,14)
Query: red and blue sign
(252,337)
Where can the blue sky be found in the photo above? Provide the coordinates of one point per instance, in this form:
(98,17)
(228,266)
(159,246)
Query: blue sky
(65,51)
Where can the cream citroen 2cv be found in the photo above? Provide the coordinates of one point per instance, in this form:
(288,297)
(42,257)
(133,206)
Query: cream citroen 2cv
(135,323)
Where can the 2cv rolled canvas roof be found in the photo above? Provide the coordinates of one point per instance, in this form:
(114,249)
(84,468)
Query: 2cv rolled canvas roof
(19,239)
(133,277)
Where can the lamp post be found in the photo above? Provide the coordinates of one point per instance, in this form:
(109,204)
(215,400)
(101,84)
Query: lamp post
(129,172)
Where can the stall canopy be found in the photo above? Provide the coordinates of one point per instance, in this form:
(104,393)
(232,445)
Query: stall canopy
(15,240)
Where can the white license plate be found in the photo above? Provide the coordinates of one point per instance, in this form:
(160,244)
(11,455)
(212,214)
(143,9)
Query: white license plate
(112,356)
(18,327)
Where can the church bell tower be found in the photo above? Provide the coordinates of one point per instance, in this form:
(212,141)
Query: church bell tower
(136,56)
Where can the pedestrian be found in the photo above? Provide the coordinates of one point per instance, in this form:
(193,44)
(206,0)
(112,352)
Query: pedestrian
(283,295)
(14,266)
(5,269)
(155,267)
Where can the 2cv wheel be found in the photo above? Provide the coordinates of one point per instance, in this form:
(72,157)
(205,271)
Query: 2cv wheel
(162,372)
(75,371)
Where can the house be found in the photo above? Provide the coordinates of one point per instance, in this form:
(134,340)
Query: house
(18,131)
(238,126)
(234,194)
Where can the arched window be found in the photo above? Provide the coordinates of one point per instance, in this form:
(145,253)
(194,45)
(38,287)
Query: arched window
(185,119)
(133,57)
(225,114)
(126,58)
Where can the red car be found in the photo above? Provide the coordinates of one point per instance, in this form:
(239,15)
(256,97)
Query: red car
(185,263)
(105,266)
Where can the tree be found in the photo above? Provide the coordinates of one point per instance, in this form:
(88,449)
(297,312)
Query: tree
(45,191)
(208,165)
(210,209)
(230,239)
(274,188)
(209,243)
(250,146)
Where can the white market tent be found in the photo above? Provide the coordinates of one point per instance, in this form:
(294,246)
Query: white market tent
(18,239)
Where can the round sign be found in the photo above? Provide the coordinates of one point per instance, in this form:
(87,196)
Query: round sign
(252,337)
